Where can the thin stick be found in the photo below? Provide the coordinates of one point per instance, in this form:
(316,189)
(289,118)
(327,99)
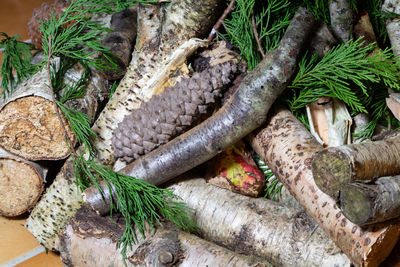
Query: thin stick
(254,26)
(220,21)
(69,141)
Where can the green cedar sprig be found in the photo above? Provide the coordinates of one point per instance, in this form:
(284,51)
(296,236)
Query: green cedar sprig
(345,72)
(17,58)
(273,186)
(142,205)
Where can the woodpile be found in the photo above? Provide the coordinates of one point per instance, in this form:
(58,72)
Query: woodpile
(161,133)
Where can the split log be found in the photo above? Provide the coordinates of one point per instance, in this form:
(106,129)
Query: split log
(30,127)
(287,147)
(164,33)
(342,18)
(21,184)
(366,204)
(92,240)
(393,24)
(334,166)
(245,111)
(191,18)
(257,226)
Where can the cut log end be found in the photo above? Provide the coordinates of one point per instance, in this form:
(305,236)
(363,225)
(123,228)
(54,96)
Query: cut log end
(31,130)
(20,187)
(330,169)
(356,203)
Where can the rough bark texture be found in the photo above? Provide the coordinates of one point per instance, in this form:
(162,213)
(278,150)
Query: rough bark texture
(287,147)
(90,240)
(257,226)
(161,31)
(322,41)
(342,19)
(365,204)
(21,184)
(59,203)
(171,113)
(121,41)
(30,127)
(393,25)
(48,219)
(245,111)
(357,162)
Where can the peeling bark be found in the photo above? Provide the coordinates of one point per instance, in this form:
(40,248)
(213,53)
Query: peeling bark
(21,184)
(366,204)
(90,240)
(287,147)
(161,31)
(357,162)
(257,226)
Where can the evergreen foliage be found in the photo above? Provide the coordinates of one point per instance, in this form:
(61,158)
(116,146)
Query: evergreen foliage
(17,58)
(273,186)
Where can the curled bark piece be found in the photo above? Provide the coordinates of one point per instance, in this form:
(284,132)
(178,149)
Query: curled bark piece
(258,226)
(287,147)
(366,204)
(121,41)
(342,18)
(393,24)
(163,45)
(90,240)
(21,184)
(59,203)
(357,162)
(169,114)
(244,112)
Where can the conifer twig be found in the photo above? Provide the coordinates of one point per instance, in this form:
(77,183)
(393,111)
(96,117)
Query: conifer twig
(67,137)
(254,26)
(220,21)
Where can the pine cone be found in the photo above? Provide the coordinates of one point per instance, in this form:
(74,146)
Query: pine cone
(43,13)
(172,112)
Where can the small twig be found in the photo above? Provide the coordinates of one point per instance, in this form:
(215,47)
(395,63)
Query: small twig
(254,26)
(67,137)
(220,21)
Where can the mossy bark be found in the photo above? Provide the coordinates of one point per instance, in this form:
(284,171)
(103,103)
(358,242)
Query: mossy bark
(366,204)
(90,240)
(357,162)
(287,148)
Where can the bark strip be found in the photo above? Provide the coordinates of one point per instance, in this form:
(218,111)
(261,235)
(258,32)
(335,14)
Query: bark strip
(357,162)
(287,148)
(245,111)
(257,226)
(90,240)
(21,184)
(366,204)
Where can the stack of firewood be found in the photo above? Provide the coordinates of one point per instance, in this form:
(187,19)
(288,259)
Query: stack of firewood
(346,196)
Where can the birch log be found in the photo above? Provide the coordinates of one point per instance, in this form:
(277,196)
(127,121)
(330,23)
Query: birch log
(21,184)
(191,18)
(365,204)
(334,166)
(163,32)
(287,147)
(257,226)
(90,240)
(29,125)
(393,24)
